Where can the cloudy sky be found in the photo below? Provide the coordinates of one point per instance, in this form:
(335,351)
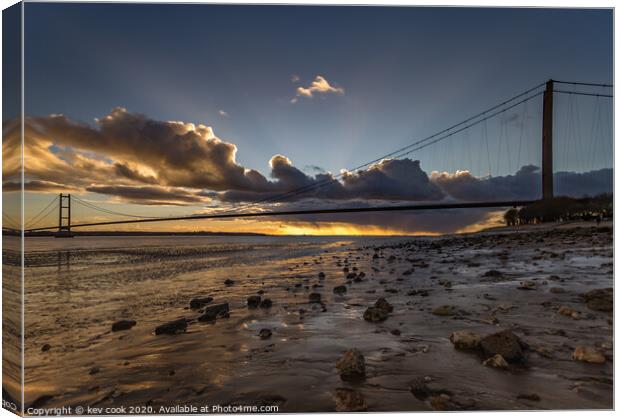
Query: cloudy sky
(177,109)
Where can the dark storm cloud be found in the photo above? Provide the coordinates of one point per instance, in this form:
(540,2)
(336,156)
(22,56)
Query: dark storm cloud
(393,180)
(401,180)
(525,184)
(142,160)
(124,170)
(35,186)
(445,221)
(180,154)
(591,183)
(148,195)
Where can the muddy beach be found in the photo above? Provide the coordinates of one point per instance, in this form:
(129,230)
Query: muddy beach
(494,320)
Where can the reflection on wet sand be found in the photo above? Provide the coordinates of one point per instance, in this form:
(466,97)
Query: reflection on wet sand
(285,354)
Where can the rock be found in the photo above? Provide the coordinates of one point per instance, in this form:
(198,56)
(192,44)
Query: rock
(527,285)
(600,299)
(441,402)
(379,312)
(122,325)
(445,402)
(37,403)
(465,340)
(46,347)
(266,304)
(229,282)
(383,304)
(567,311)
(213,312)
(419,389)
(373,314)
(314,298)
(264,333)
(529,396)
(321,276)
(446,310)
(173,327)
(545,351)
(351,276)
(339,290)
(198,303)
(492,273)
(504,343)
(496,361)
(253,301)
(349,400)
(94,370)
(352,365)
(395,332)
(588,355)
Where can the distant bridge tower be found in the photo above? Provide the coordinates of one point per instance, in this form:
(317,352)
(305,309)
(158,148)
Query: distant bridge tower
(547,142)
(64,217)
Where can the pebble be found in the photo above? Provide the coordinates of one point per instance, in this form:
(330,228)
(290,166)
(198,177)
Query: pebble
(253,301)
(264,333)
(588,355)
(496,361)
(122,325)
(465,340)
(198,303)
(173,327)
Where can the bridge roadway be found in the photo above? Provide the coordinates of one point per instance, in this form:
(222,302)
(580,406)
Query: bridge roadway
(432,206)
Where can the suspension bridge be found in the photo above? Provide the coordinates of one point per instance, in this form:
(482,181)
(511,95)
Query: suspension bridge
(61,206)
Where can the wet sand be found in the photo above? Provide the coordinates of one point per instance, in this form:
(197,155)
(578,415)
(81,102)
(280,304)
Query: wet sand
(225,361)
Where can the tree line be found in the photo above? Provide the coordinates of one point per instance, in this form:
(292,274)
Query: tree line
(562,209)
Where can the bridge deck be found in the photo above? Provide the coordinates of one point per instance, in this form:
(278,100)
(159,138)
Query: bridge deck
(432,206)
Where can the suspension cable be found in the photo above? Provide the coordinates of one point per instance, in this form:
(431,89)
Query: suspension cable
(399,152)
(109,211)
(41,211)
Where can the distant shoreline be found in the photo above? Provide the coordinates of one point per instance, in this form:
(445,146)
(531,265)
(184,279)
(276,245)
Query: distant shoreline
(145,234)
(495,229)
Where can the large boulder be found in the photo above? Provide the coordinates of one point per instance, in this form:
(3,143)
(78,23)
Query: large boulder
(352,365)
(504,343)
(172,327)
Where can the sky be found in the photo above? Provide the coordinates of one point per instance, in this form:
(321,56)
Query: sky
(219,105)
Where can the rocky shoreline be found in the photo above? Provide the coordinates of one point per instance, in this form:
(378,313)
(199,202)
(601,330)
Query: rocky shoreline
(489,321)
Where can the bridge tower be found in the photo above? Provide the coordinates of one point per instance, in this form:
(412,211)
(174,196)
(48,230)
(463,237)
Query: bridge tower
(547,142)
(64,217)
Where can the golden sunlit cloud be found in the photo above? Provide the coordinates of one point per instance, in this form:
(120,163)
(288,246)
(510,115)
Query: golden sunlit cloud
(320,85)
